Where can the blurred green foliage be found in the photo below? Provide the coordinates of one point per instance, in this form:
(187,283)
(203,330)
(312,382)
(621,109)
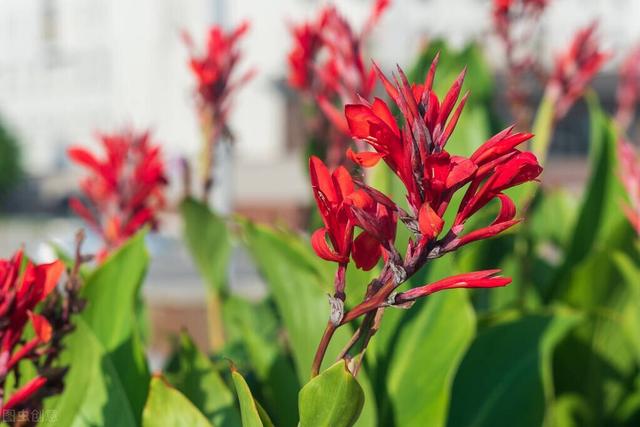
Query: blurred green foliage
(10,169)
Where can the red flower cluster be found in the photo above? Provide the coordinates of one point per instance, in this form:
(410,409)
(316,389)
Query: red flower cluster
(630,176)
(23,286)
(574,69)
(327,64)
(215,71)
(416,153)
(505,11)
(125,188)
(628,88)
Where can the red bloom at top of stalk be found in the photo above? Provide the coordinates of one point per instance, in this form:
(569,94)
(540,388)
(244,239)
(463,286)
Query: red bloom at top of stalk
(628,88)
(124,190)
(342,208)
(575,68)
(326,60)
(215,70)
(503,11)
(22,287)
(416,153)
(630,176)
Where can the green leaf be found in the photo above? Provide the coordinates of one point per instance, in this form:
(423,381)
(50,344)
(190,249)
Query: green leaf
(600,211)
(108,370)
(332,399)
(504,380)
(193,374)
(425,359)
(299,283)
(112,294)
(420,356)
(543,129)
(167,407)
(253,415)
(208,240)
(95,393)
(255,328)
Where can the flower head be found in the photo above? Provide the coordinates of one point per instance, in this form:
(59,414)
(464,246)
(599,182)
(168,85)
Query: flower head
(326,63)
(414,148)
(125,188)
(215,71)
(574,69)
(630,176)
(628,88)
(416,152)
(342,208)
(23,285)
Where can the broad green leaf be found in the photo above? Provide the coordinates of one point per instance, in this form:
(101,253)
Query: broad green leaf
(207,237)
(420,356)
(209,242)
(599,212)
(543,129)
(193,374)
(299,283)
(254,327)
(112,292)
(95,392)
(504,377)
(599,359)
(167,407)
(426,357)
(332,399)
(253,415)
(299,288)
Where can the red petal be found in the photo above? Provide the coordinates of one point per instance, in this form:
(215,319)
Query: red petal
(429,222)
(48,276)
(359,118)
(380,109)
(365,159)
(342,181)
(41,326)
(366,251)
(322,249)
(321,180)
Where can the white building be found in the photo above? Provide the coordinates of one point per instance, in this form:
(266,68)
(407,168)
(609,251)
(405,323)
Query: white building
(68,67)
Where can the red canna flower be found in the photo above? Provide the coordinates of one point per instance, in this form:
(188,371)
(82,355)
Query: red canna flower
(630,176)
(23,286)
(628,88)
(415,150)
(429,173)
(124,190)
(574,69)
(342,208)
(516,23)
(217,81)
(326,64)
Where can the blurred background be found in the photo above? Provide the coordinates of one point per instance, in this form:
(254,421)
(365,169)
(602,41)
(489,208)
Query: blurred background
(69,68)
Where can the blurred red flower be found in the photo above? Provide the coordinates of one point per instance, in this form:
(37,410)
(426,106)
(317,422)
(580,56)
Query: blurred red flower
(124,189)
(574,69)
(628,90)
(327,64)
(216,72)
(630,176)
(23,286)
